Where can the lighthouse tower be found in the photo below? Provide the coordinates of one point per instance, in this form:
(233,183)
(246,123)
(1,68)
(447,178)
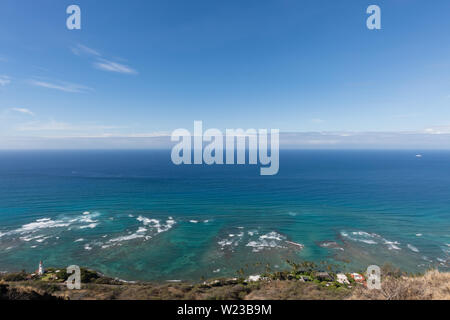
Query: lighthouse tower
(41,269)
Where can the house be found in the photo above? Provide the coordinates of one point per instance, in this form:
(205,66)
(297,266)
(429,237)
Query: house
(342,278)
(358,277)
(324,276)
(253,278)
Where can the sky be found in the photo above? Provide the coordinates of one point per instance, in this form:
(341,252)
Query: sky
(140,69)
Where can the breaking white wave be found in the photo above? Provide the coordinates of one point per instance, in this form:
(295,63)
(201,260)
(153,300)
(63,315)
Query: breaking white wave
(361,236)
(151,227)
(331,245)
(48,223)
(272,236)
(42,229)
(251,233)
(252,239)
(370,238)
(392,245)
(298,245)
(127,238)
(140,233)
(44,223)
(232,241)
(412,248)
(156,224)
(446,250)
(31,238)
(90,226)
(225,243)
(87,218)
(240,235)
(193,221)
(269,240)
(40,240)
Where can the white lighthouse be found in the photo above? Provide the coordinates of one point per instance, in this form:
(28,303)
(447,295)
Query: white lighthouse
(41,268)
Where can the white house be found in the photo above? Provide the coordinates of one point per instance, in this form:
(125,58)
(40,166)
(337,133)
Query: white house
(342,278)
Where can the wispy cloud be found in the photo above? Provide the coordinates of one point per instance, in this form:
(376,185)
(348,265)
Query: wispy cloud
(81,49)
(4,80)
(61,86)
(53,125)
(24,111)
(317,121)
(405,116)
(44,126)
(111,66)
(101,63)
(115,135)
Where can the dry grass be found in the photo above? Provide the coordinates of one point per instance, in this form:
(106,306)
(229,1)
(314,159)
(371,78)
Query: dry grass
(295,290)
(434,285)
(23,293)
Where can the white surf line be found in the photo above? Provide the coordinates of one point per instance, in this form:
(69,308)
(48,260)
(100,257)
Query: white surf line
(295,244)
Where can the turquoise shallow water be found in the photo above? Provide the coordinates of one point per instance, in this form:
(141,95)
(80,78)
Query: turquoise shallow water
(135,215)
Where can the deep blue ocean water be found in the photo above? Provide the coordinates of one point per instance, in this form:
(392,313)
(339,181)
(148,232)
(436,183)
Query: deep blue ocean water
(136,216)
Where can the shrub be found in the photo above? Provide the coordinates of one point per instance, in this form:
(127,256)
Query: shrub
(88,276)
(14,277)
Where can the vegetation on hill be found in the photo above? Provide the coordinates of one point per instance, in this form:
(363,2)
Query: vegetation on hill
(303,281)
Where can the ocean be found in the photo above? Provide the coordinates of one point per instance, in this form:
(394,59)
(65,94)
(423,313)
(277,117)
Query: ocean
(136,216)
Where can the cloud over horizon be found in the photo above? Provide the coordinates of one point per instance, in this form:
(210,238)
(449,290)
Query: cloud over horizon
(100,138)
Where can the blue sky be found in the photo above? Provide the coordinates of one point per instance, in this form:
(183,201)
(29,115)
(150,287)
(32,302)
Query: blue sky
(144,68)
